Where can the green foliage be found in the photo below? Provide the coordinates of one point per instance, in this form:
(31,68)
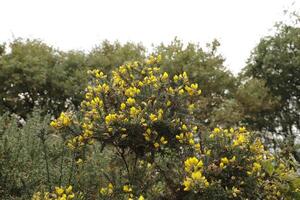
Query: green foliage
(276,62)
(205,67)
(21,160)
(107,56)
(33,74)
(33,158)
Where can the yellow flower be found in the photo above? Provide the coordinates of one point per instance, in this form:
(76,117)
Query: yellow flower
(233,159)
(191,141)
(191,107)
(69,189)
(71,196)
(256,167)
(225,160)
(123,106)
(165,76)
(160,114)
(197,147)
(59,190)
(141,197)
(153,117)
(132,91)
(240,140)
(197,176)
(187,184)
(110,188)
(130,101)
(156,145)
(217,130)
(185,77)
(97,102)
(208,152)
(242,129)
(194,86)
(61,121)
(110,118)
(180,137)
(169,103)
(192,163)
(184,127)
(53,124)
(221,165)
(71,146)
(170,90)
(105,88)
(134,112)
(163,140)
(175,78)
(127,188)
(181,92)
(103,191)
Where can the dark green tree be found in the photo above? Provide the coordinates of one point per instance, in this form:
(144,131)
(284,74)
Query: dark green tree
(33,74)
(276,61)
(107,56)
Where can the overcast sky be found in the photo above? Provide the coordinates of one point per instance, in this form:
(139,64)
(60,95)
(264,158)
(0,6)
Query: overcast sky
(81,24)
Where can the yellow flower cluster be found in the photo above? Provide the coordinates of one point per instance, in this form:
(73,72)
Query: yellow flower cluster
(224,161)
(137,94)
(129,192)
(246,156)
(107,191)
(188,136)
(60,193)
(63,120)
(194,178)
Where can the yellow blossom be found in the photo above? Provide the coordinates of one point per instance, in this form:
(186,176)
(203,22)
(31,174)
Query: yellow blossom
(175,78)
(225,160)
(130,101)
(165,76)
(59,190)
(122,106)
(141,197)
(153,117)
(127,188)
(181,92)
(163,140)
(69,189)
(134,112)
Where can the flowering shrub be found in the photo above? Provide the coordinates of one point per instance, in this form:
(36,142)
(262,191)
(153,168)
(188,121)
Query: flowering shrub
(149,121)
(237,165)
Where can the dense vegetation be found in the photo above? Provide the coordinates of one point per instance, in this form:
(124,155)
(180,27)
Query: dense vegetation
(117,123)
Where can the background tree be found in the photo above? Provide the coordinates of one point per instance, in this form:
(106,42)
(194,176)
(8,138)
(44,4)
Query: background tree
(276,61)
(35,74)
(107,56)
(205,67)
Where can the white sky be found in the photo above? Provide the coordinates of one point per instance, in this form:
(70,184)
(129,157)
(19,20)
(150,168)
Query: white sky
(81,24)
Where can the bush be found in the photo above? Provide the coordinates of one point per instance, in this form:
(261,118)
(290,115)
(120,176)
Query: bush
(146,121)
